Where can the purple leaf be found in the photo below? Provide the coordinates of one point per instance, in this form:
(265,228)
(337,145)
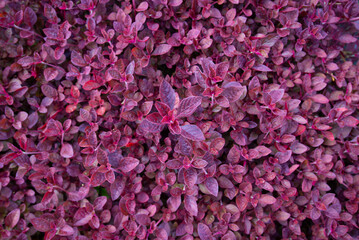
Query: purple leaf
(266,199)
(50,74)
(185,146)
(77,59)
(283,157)
(162,108)
(67,151)
(174,203)
(320,98)
(262,68)
(41,224)
(190,177)
(148,126)
(199,163)
(188,106)
(12,218)
(347,38)
(154,118)
(66,231)
(175,3)
(212,186)
(193,33)
(142,7)
(30,17)
(26,61)
(167,94)
(192,132)
(49,91)
(161,49)
(117,188)
(97,179)
(174,164)
(82,217)
(299,148)
(85,115)
(233,91)
(204,232)
(190,204)
(127,164)
(282,216)
(276,95)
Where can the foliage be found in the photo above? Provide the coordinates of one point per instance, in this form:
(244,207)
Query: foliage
(179,119)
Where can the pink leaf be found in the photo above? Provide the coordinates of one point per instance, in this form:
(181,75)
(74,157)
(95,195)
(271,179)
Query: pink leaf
(127,164)
(142,7)
(99,203)
(77,59)
(267,199)
(174,164)
(47,198)
(188,106)
(204,232)
(299,148)
(190,177)
(320,98)
(161,49)
(185,146)
(50,74)
(117,188)
(192,132)
(130,69)
(262,68)
(234,154)
(97,179)
(347,38)
(283,157)
(212,186)
(148,126)
(66,231)
(30,17)
(282,216)
(332,213)
(233,91)
(314,214)
(193,33)
(222,69)
(190,204)
(49,12)
(328,198)
(350,121)
(67,151)
(167,94)
(154,118)
(12,218)
(299,119)
(231,14)
(143,219)
(91,85)
(26,61)
(162,108)
(174,203)
(239,137)
(332,66)
(199,163)
(85,115)
(175,3)
(276,95)
(82,217)
(41,224)
(49,91)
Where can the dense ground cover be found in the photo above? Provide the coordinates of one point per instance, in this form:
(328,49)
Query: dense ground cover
(179,119)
